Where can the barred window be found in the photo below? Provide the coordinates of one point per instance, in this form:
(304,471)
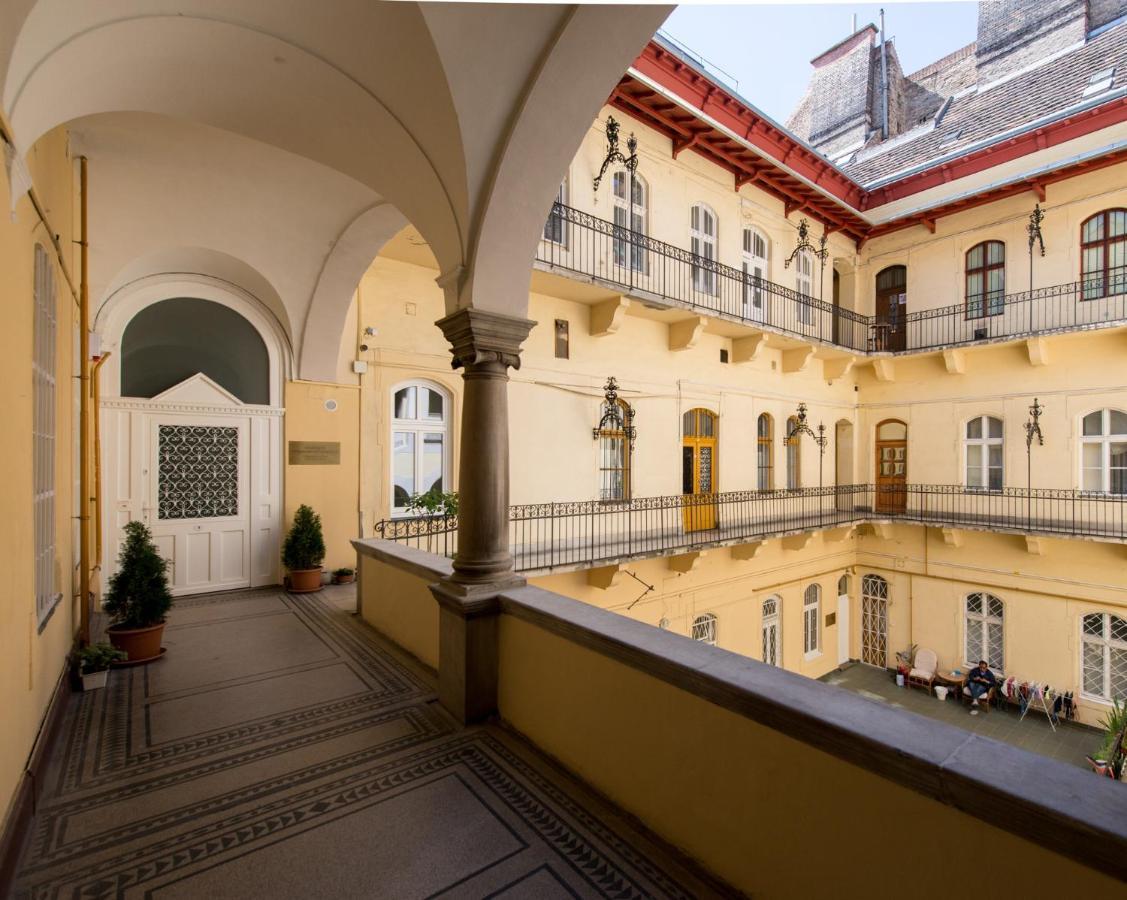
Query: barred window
(614,452)
(43,434)
(772,633)
(985,615)
(765,451)
(1103,639)
(811,618)
(704,629)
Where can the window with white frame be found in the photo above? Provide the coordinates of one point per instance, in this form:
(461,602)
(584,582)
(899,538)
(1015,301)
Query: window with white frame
(985,616)
(804,284)
(755,272)
(811,616)
(1103,451)
(772,633)
(702,238)
(1103,639)
(704,629)
(984,453)
(420,442)
(555,229)
(629,251)
(43,434)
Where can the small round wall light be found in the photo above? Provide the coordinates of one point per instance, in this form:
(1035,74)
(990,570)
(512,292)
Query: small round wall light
(331,405)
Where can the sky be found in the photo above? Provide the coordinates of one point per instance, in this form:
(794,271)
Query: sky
(767,48)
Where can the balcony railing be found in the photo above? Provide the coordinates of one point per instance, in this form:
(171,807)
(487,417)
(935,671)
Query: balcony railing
(578,242)
(546,536)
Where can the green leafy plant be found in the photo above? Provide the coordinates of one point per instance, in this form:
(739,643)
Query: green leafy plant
(138,595)
(434,502)
(304,547)
(97,658)
(343,572)
(1113,723)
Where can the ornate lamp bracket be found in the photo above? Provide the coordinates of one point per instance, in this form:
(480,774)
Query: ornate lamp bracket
(615,155)
(1033,229)
(804,244)
(617,415)
(1033,426)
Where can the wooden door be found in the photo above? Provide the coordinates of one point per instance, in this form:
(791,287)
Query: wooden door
(699,469)
(891,466)
(892,309)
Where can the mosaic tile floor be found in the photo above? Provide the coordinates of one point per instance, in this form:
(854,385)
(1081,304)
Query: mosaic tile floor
(281,749)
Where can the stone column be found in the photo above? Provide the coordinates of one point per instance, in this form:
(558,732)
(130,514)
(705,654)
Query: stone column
(484,345)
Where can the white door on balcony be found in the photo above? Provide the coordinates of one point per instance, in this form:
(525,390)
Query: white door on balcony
(843,619)
(755,275)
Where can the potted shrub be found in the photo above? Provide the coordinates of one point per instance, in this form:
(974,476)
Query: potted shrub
(439,508)
(94,664)
(304,550)
(138,597)
(344,575)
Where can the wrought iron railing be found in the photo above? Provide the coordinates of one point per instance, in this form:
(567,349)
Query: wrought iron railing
(578,242)
(545,536)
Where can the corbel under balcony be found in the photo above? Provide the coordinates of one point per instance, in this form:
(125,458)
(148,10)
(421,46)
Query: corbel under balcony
(605,577)
(606,317)
(837,535)
(884,370)
(952,537)
(684,563)
(747,349)
(1038,349)
(955,361)
(797,541)
(797,360)
(685,334)
(837,367)
(1035,545)
(744,552)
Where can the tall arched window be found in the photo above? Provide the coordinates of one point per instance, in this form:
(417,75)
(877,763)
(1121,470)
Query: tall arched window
(794,456)
(1103,254)
(420,442)
(811,619)
(874,620)
(985,633)
(984,453)
(1103,657)
(1103,451)
(704,629)
(702,238)
(986,279)
(804,284)
(892,307)
(755,249)
(627,252)
(772,631)
(765,451)
(614,450)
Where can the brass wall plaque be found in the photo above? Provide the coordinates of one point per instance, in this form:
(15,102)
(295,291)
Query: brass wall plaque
(831,619)
(314,453)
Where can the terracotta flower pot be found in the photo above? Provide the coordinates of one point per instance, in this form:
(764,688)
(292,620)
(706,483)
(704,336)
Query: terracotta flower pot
(305,581)
(343,579)
(142,644)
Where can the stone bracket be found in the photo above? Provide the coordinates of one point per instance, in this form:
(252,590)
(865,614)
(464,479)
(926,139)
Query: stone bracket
(745,551)
(684,335)
(1036,546)
(747,349)
(797,360)
(797,541)
(833,369)
(883,530)
(884,370)
(1038,350)
(837,535)
(952,537)
(604,577)
(685,562)
(955,361)
(606,317)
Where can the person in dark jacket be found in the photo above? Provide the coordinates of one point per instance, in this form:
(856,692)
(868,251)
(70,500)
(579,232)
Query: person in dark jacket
(979,682)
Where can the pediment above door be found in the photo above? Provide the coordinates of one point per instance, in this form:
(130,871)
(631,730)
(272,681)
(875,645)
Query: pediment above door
(199,389)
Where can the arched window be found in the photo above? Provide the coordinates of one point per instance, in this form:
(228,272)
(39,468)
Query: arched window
(794,456)
(614,450)
(843,585)
(891,308)
(811,619)
(755,250)
(420,442)
(985,637)
(765,451)
(555,229)
(1103,254)
(704,629)
(702,238)
(629,253)
(984,453)
(874,620)
(1103,658)
(1103,452)
(804,284)
(986,279)
(772,631)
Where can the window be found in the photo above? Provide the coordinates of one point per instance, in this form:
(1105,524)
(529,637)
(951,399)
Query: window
(43,434)
(811,619)
(704,629)
(986,279)
(563,339)
(772,634)
(765,451)
(420,442)
(892,295)
(628,251)
(1103,254)
(984,453)
(1099,82)
(1103,661)
(614,451)
(755,272)
(1103,452)
(843,585)
(804,284)
(794,456)
(984,631)
(555,229)
(702,237)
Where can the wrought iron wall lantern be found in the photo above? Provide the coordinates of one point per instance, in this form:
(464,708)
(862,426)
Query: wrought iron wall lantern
(615,155)
(801,426)
(1032,430)
(804,244)
(618,415)
(1033,229)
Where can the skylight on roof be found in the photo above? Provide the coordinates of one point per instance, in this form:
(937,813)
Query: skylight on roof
(1100,82)
(949,139)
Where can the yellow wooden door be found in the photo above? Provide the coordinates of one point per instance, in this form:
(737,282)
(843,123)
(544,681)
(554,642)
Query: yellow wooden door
(891,466)
(699,469)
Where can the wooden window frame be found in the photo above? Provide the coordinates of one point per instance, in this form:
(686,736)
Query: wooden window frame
(985,269)
(1105,243)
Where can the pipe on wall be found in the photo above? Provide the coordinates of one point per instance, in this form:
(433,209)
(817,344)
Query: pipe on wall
(85,498)
(96,398)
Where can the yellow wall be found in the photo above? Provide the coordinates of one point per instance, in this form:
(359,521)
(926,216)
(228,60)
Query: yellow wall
(31,662)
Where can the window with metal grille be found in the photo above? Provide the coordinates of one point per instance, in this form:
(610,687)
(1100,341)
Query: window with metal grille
(43,434)
(1103,254)
(986,279)
(614,453)
(874,620)
(811,619)
(1103,451)
(984,453)
(1103,657)
(772,633)
(794,456)
(704,629)
(765,451)
(985,615)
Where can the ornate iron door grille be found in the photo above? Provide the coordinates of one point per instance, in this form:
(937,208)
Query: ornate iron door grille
(874,621)
(197,472)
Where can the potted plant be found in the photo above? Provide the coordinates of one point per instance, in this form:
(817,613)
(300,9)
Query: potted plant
(1111,755)
(138,597)
(344,575)
(304,550)
(94,664)
(438,508)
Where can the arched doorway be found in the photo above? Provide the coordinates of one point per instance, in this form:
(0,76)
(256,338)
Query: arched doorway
(892,308)
(891,466)
(874,621)
(843,461)
(699,436)
(192,428)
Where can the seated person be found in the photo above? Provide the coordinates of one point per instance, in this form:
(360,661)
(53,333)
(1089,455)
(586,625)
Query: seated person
(979,682)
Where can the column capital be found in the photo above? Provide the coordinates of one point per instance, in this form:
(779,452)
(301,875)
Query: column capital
(478,336)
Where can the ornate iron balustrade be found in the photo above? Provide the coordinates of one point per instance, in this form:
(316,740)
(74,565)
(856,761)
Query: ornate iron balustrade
(545,536)
(593,247)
